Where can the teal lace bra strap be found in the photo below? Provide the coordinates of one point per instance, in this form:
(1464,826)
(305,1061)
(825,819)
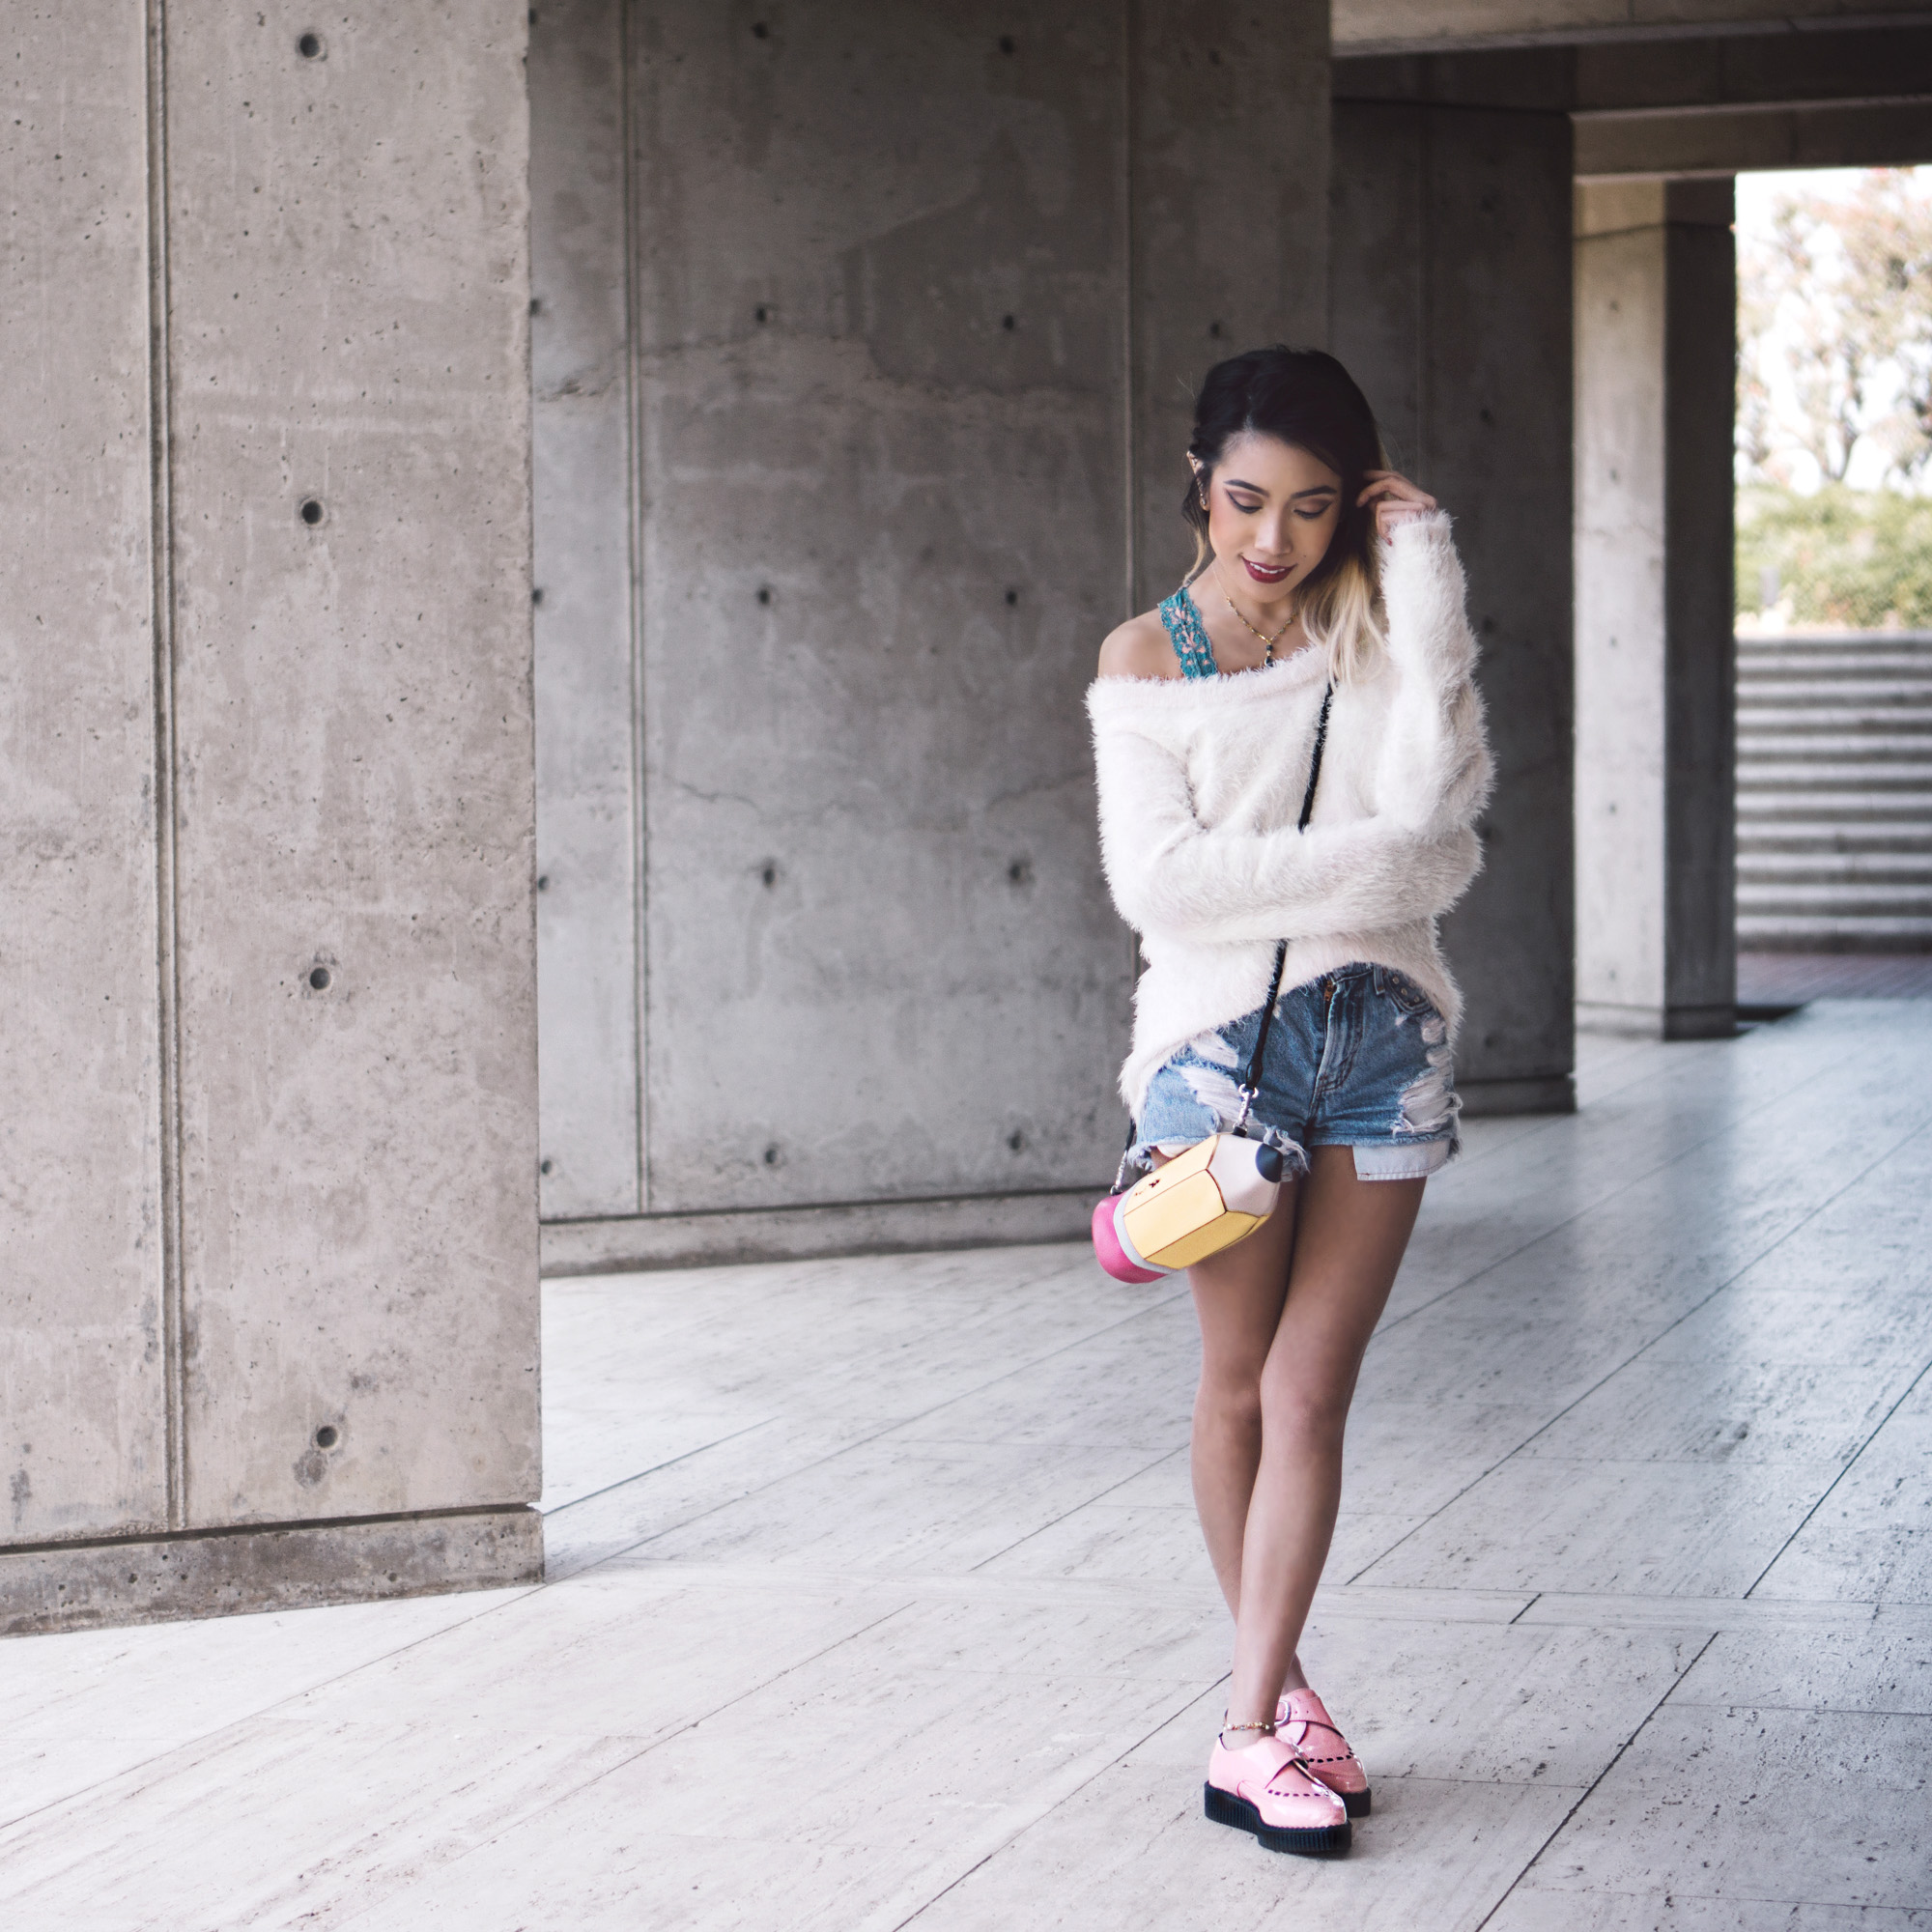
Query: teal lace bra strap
(1188,635)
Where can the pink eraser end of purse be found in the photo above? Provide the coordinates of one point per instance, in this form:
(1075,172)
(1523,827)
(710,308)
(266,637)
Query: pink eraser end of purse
(1107,1248)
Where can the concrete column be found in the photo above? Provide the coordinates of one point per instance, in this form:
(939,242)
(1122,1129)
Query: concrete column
(919,298)
(1450,281)
(1656,659)
(269,1274)
(86,1357)
(588,827)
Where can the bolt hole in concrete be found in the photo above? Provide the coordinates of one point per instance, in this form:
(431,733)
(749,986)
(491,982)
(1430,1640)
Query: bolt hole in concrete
(762,315)
(543,882)
(545,1166)
(760,31)
(311,512)
(1016,1141)
(769,873)
(309,46)
(536,304)
(1020,872)
(771,1156)
(764,593)
(1006,44)
(1009,323)
(319,979)
(536,593)
(1013,596)
(1214,330)
(325,1437)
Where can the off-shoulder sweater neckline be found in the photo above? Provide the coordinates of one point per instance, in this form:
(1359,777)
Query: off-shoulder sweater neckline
(1306,666)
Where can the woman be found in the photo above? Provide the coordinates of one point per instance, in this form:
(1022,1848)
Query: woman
(1315,669)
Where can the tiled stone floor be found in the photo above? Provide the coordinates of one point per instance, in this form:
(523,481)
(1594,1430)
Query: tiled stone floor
(877,1598)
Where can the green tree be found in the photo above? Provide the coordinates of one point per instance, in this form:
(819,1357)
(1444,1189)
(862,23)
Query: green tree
(1834,323)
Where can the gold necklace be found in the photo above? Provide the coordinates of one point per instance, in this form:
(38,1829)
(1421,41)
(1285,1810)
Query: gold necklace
(1268,642)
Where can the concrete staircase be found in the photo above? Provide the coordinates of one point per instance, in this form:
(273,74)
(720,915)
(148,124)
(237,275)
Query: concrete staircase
(1834,791)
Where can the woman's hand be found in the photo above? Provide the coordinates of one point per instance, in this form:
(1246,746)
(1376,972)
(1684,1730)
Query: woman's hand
(1397,500)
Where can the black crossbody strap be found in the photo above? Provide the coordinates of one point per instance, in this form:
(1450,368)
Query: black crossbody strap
(1252,1082)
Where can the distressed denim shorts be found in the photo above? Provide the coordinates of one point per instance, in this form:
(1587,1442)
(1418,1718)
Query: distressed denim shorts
(1358,1058)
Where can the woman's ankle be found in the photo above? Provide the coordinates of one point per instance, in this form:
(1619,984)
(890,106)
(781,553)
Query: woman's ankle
(1244,1737)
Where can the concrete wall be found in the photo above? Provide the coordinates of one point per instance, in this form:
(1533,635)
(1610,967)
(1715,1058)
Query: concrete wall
(914,321)
(1450,300)
(270,1242)
(1655,759)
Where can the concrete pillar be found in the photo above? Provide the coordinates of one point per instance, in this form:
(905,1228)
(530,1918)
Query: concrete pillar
(89,1445)
(1450,279)
(919,298)
(588,827)
(269,1282)
(1656,659)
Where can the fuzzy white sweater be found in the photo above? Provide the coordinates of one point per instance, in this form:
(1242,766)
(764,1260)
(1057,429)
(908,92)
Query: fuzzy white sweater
(1201,784)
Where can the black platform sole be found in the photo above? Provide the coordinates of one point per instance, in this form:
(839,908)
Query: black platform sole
(1357,1803)
(1225,1808)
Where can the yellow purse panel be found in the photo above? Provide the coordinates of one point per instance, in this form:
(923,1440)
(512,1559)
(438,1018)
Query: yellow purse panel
(1222,1232)
(1171,1210)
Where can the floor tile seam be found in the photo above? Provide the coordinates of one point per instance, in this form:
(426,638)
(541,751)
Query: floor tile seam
(1692,1613)
(1616,1757)
(965,1586)
(1692,1616)
(670,1463)
(522,1820)
(1921,1914)
(1041,1529)
(1057,1443)
(1722,1286)
(1634,1179)
(859,1443)
(269,1709)
(1062,1798)
(1856,1456)
(1736,1706)
(1630,1181)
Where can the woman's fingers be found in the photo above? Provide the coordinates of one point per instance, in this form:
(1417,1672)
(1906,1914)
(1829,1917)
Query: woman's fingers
(1397,500)
(1385,486)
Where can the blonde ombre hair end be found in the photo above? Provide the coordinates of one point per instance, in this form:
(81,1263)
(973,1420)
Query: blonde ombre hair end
(1305,398)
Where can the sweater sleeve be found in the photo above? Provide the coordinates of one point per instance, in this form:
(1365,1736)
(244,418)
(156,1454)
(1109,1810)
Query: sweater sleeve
(1169,874)
(1434,772)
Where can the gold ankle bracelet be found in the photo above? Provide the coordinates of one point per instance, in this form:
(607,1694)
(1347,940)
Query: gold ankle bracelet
(1265,1729)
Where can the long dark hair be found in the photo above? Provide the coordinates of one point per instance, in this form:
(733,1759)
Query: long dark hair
(1303,397)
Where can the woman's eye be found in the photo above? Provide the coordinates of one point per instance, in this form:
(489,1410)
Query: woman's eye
(1315,515)
(1246,509)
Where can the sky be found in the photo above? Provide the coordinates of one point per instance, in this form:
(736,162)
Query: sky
(1757,195)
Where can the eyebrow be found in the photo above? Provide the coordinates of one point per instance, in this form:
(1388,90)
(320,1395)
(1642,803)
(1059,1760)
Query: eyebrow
(1315,490)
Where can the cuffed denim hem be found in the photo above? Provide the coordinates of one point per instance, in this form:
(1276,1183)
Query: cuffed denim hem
(1402,1160)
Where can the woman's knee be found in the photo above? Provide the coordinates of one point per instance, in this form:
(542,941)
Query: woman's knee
(1301,1419)
(1231,1394)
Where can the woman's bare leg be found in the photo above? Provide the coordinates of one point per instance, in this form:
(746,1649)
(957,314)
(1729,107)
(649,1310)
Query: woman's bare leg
(1348,1241)
(1238,1295)
(1285,1319)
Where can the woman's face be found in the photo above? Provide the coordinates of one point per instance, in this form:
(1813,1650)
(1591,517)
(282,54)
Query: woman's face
(1272,510)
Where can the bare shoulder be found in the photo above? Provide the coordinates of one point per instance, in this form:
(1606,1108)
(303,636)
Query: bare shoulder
(1139,648)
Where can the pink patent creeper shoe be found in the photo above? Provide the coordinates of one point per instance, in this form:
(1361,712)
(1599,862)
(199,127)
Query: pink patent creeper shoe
(1264,1789)
(1302,1724)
